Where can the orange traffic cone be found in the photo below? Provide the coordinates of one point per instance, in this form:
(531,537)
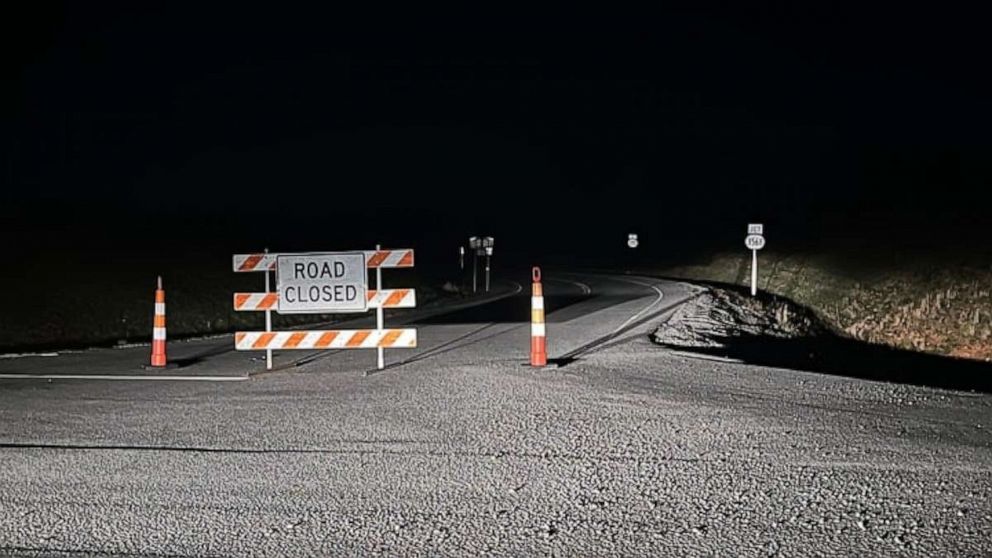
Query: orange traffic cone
(538,339)
(158,330)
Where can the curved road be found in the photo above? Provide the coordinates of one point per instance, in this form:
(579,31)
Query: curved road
(460,449)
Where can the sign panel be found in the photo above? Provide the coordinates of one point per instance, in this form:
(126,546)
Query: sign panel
(322,283)
(254,262)
(373,258)
(755,228)
(754,241)
(632,240)
(326,339)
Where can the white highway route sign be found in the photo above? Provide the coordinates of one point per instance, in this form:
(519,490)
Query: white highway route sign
(754,241)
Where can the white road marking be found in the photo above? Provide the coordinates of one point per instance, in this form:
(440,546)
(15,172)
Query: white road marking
(586,289)
(643,311)
(121,377)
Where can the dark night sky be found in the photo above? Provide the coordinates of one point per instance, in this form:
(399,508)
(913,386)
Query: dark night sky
(230,128)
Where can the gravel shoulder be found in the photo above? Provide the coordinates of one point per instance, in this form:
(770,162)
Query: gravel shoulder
(629,450)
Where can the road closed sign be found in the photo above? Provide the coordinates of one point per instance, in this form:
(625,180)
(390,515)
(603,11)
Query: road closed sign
(322,283)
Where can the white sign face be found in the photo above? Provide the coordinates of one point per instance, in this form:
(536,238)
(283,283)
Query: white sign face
(322,283)
(755,228)
(489,250)
(754,241)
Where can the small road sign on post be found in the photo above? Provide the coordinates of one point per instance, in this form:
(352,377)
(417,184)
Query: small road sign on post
(475,243)
(487,249)
(319,283)
(755,241)
(481,246)
(632,241)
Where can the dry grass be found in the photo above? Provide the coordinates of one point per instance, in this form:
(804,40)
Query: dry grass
(944,310)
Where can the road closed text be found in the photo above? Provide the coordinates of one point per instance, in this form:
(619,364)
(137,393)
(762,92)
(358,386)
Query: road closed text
(315,283)
(320,293)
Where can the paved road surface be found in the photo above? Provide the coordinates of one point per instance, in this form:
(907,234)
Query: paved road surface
(625,449)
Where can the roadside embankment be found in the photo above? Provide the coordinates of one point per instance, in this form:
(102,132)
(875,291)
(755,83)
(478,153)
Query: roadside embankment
(943,309)
(718,317)
(771,330)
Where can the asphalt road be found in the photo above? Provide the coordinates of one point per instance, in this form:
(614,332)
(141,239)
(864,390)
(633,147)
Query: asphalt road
(460,449)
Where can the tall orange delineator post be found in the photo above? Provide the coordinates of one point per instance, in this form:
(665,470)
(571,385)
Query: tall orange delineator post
(538,338)
(158,328)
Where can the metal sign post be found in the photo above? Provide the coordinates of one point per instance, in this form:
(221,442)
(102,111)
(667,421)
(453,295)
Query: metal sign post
(755,241)
(474,278)
(268,319)
(380,356)
(754,272)
(489,253)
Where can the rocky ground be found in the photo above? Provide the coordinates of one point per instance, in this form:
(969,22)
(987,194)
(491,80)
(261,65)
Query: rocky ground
(715,317)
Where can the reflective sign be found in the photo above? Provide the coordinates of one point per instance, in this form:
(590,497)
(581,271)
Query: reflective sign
(322,283)
(754,241)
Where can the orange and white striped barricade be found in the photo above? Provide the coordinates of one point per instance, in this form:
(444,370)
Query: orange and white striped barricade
(377,299)
(373,259)
(538,333)
(326,339)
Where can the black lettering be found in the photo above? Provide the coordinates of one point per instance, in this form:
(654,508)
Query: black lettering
(312,270)
(325,271)
(314,293)
(339,269)
(351,292)
(328,294)
(289,291)
(298,270)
